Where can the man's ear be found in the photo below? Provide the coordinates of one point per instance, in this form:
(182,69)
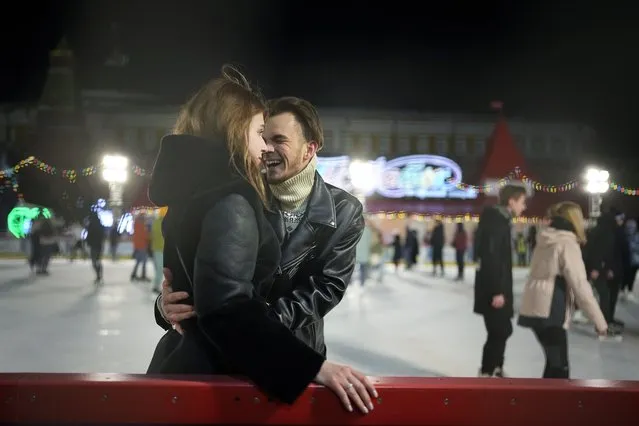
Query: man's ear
(311,150)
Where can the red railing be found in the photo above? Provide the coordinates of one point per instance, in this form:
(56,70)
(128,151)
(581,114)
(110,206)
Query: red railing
(113,399)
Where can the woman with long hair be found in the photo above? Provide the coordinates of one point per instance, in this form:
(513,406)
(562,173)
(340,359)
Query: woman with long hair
(222,250)
(557,280)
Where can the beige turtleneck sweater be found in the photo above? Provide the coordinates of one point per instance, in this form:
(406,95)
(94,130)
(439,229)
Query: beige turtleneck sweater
(293,192)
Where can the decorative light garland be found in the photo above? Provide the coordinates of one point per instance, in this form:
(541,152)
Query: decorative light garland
(72,174)
(444,218)
(624,189)
(69,174)
(517,174)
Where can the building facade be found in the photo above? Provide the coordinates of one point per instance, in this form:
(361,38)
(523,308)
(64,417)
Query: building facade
(135,124)
(100,121)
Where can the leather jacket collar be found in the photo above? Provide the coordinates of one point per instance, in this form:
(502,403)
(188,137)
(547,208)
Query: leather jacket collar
(320,210)
(321,206)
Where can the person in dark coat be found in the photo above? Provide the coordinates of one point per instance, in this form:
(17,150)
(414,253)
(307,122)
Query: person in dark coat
(494,278)
(397,251)
(607,254)
(95,241)
(222,251)
(36,248)
(411,248)
(437,246)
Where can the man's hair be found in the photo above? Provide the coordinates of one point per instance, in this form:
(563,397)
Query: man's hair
(552,210)
(510,192)
(305,114)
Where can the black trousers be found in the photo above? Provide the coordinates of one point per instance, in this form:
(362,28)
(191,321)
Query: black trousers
(96,261)
(629,278)
(522,258)
(554,342)
(608,291)
(438,258)
(498,329)
(459,257)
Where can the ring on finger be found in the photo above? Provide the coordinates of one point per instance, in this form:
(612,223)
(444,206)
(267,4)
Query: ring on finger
(349,386)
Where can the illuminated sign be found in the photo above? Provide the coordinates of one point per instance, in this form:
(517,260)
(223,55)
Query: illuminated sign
(20,219)
(418,176)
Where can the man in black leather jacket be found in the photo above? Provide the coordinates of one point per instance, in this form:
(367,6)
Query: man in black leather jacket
(318,226)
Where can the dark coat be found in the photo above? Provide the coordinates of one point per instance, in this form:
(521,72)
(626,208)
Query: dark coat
(607,248)
(493,254)
(230,254)
(437,237)
(317,262)
(95,233)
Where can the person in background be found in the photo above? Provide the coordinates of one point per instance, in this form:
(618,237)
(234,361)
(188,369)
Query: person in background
(48,243)
(140,247)
(460,243)
(77,244)
(494,275)
(621,252)
(157,247)
(633,264)
(397,251)
(605,266)
(95,241)
(437,240)
(411,248)
(363,253)
(521,249)
(378,253)
(114,240)
(35,255)
(557,278)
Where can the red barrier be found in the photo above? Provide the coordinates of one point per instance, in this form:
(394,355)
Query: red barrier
(113,399)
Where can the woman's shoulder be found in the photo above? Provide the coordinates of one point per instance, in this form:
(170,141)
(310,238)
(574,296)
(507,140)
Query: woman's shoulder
(234,194)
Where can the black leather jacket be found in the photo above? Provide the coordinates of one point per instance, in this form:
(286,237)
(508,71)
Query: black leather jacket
(223,251)
(317,262)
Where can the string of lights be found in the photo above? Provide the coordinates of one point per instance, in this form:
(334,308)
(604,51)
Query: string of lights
(71,175)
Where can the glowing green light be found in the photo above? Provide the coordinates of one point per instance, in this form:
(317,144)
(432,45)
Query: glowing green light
(19,215)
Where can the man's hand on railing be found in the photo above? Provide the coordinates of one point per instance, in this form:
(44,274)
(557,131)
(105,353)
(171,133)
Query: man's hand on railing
(351,386)
(171,309)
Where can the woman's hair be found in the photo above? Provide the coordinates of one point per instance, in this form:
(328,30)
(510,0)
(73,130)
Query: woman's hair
(222,110)
(573,214)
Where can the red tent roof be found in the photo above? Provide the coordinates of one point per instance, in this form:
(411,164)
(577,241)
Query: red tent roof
(502,155)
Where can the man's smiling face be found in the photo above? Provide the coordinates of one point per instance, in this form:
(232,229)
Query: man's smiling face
(291,151)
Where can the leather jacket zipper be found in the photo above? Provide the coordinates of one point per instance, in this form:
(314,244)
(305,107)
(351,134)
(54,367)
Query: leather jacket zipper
(297,260)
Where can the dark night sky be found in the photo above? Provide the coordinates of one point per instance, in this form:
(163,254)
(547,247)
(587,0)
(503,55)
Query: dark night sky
(560,60)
